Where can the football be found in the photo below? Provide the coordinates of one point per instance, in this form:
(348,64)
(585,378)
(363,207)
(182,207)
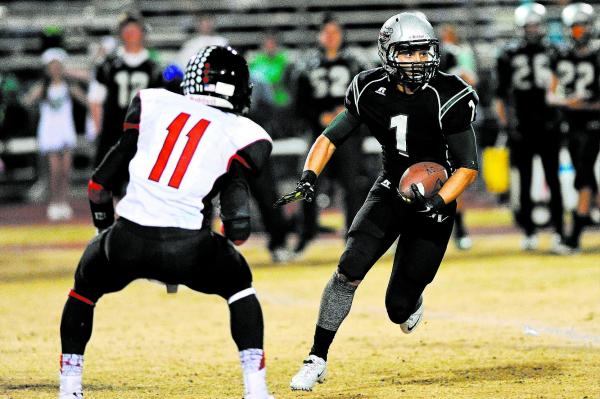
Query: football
(428,176)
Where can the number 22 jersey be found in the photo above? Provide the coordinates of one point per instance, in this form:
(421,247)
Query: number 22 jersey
(184,148)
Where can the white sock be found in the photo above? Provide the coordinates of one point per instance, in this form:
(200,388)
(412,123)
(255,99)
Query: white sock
(253,366)
(71,371)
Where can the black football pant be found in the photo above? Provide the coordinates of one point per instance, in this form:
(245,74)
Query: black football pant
(522,153)
(421,247)
(584,146)
(200,259)
(264,191)
(345,168)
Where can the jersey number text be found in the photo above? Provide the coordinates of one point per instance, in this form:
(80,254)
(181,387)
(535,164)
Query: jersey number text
(174,129)
(400,122)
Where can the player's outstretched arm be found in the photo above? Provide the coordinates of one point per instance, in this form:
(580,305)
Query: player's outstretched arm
(320,153)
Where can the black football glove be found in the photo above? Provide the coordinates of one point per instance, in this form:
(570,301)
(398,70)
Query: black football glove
(305,190)
(424,205)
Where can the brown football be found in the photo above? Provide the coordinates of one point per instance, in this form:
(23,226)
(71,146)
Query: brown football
(428,176)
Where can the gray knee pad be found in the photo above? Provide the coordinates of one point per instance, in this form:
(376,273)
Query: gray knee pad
(336,302)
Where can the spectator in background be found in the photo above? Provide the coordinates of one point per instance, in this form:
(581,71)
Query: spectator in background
(457,58)
(56,133)
(320,97)
(206,37)
(270,109)
(117,81)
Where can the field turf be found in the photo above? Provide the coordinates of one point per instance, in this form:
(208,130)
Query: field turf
(499,323)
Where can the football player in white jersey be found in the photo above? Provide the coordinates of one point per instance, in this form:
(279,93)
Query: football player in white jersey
(181,151)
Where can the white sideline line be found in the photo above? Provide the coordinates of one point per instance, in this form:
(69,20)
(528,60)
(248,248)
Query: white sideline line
(526,328)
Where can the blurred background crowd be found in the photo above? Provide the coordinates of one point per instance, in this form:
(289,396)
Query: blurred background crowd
(69,69)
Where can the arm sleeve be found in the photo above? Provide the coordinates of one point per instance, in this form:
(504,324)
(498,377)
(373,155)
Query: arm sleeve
(503,76)
(344,124)
(117,159)
(235,205)
(463,149)
(253,157)
(304,102)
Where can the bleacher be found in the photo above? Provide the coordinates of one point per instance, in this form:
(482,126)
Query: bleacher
(481,22)
(485,24)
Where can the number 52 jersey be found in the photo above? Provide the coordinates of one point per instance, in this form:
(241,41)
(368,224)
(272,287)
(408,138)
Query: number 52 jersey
(184,149)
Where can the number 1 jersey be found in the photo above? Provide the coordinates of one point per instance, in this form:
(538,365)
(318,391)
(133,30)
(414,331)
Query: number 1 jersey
(184,148)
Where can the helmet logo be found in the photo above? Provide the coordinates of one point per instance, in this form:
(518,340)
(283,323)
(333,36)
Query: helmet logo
(385,34)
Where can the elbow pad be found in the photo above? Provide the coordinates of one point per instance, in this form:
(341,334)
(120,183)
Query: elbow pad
(101,205)
(237,230)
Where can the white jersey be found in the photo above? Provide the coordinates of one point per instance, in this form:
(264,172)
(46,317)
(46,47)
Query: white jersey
(183,148)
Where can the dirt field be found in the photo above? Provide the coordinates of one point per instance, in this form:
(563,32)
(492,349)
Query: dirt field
(498,324)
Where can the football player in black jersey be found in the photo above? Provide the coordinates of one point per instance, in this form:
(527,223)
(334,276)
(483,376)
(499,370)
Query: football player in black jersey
(117,80)
(417,114)
(320,97)
(523,70)
(576,88)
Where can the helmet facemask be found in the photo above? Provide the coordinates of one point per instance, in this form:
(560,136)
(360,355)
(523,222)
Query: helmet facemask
(403,64)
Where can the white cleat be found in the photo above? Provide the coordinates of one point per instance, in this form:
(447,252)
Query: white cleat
(259,397)
(414,320)
(74,395)
(313,370)
(529,243)
(464,243)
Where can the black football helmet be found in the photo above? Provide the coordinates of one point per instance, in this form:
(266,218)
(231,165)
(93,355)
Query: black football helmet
(408,31)
(220,76)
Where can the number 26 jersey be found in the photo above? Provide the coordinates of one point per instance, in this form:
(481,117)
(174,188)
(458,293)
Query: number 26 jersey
(184,148)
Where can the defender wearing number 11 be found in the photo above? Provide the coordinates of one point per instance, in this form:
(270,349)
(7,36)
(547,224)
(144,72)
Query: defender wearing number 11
(418,114)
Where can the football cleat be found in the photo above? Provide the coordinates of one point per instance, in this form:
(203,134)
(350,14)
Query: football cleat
(529,243)
(282,255)
(259,397)
(313,370)
(414,320)
(74,395)
(463,243)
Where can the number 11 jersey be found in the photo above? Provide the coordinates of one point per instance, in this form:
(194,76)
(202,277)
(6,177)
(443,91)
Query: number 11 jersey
(184,149)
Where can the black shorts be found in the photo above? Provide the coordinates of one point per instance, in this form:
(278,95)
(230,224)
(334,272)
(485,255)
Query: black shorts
(200,259)
(382,218)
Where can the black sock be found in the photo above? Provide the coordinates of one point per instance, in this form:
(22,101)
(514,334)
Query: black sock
(459,226)
(579,222)
(322,342)
(76,326)
(247,323)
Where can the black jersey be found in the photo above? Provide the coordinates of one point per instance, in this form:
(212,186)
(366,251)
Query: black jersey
(579,76)
(412,128)
(322,86)
(523,78)
(122,83)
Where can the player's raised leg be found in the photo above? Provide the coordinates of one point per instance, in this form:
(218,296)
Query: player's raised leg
(371,234)
(420,251)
